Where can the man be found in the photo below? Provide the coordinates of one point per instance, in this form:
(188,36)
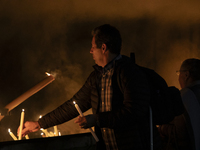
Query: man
(121,118)
(184,131)
(189,79)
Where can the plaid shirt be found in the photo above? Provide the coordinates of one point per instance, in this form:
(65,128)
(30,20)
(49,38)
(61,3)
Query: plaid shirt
(106,102)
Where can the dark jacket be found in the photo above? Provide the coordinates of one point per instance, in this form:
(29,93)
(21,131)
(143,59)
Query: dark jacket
(130,108)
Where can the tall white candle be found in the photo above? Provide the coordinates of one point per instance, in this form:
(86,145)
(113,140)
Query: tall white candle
(21,124)
(78,109)
(29,93)
(12,135)
(81,114)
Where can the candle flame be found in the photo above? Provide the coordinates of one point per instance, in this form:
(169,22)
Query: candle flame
(9,130)
(47,73)
(59,133)
(40,116)
(42,133)
(74,102)
(41,129)
(22,109)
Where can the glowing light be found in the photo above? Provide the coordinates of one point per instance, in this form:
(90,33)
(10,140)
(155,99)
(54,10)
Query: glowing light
(47,73)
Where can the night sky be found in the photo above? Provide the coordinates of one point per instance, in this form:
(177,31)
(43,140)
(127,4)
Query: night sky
(55,36)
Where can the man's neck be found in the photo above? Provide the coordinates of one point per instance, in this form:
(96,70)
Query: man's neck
(108,58)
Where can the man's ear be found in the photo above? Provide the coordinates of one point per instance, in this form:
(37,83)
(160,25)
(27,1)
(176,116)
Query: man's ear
(104,48)
(187,75)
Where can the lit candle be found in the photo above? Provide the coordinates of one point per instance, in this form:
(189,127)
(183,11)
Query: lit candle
(12,135)
(29,93)
(21,124)
(59,134)
(78,109)
(81,114)
(45,131)
(55,130)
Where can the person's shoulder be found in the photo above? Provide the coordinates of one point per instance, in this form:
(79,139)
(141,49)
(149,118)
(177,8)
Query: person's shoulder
(128,69)
(185,91)
(92,75)
(187,95)
(125,63)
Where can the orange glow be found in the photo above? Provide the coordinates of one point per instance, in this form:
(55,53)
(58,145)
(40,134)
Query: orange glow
(47,73)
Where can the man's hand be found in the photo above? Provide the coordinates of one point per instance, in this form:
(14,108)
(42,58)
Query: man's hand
(86,121)
(28,127)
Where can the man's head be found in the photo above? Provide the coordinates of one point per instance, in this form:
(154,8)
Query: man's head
(189,72)
(106,44)
(108,35)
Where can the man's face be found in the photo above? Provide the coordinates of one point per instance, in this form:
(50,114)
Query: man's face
(97,53)
(181,80)
(183,75)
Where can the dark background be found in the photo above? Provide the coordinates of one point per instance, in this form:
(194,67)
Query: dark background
(55,36)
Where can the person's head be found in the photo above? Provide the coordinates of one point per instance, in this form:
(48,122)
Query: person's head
(109,35)
(189,72)
(106,42)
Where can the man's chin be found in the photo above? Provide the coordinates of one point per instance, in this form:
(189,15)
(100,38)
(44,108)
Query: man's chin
(96,62)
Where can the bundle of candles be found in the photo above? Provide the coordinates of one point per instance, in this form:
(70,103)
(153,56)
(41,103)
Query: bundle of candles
(47,134)
(50,134)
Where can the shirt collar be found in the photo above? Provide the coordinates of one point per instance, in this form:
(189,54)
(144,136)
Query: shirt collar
(108,66)
(194,83)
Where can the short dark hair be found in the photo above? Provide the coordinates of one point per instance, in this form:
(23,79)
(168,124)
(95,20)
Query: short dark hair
(193,66)
(109,35)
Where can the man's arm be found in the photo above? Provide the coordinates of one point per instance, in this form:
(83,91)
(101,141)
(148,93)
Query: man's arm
(67,110)
(63,113)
